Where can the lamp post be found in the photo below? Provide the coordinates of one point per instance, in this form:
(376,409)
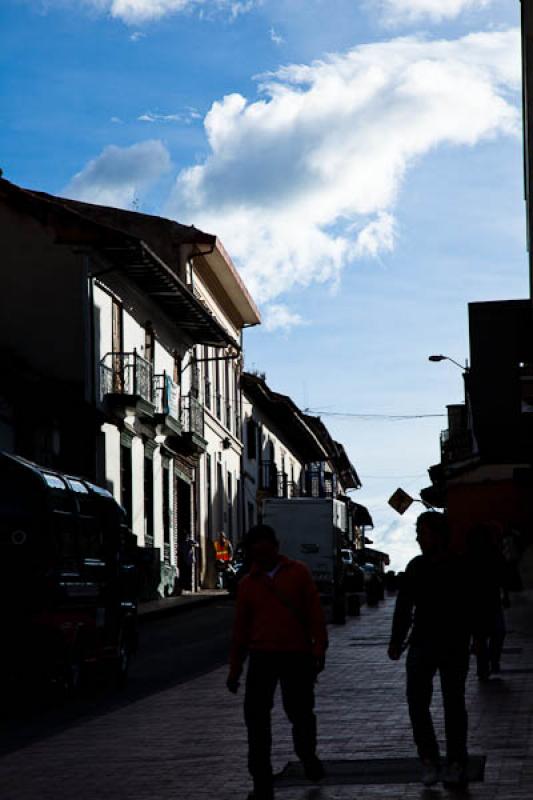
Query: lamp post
(464,367)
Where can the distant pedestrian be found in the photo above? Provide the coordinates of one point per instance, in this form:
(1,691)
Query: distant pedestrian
(435,595)
(487,570)
(223,556)
(280,626)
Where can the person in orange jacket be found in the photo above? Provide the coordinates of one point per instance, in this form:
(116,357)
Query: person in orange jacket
(280,626)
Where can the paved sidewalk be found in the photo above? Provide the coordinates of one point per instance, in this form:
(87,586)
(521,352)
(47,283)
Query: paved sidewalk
(188,742)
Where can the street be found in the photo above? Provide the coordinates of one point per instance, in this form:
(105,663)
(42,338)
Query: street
(177,733)
(172,650)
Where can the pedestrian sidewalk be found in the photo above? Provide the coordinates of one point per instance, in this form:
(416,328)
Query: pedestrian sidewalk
(188,742)
(172,605)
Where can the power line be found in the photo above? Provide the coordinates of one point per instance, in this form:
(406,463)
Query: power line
(393,417)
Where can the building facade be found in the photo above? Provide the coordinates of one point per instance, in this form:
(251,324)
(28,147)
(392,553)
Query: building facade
(122,334)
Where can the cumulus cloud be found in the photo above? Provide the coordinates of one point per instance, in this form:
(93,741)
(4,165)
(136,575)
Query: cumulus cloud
(397,538)
(120,175)
(137,12)
(279,318)
(436,10)
(305,179)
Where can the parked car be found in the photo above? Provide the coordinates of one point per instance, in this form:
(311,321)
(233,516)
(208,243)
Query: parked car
(68,578)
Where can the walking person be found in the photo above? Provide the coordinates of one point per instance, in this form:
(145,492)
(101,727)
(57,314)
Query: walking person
(223,556)
(279,625)
(436,596)
(487,569)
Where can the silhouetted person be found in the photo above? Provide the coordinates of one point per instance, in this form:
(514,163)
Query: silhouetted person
(435,596)
(487,573)
(279,624)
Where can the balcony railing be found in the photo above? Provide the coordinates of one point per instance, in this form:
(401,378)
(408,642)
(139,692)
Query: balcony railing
(192,415)
(126,374)
(457,446)
(276,483)
(316,485)
(166,396)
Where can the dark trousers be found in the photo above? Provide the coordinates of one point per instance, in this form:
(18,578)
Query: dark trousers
(423,662)
(490,645)
(296,676)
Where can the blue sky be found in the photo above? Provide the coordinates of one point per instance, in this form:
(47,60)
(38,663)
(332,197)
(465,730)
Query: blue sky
(361,161)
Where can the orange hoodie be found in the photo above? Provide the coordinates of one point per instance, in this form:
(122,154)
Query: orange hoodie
(264,622)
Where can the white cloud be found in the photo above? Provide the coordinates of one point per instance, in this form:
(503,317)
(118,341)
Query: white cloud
(435,10)
(275,37)
(408,11)
(137,12)
(118,176)
(189,115)
(137,36)
(398,538)
(148,116)
(306,179)
(279,317)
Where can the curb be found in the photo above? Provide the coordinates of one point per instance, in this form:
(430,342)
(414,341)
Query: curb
(159,612)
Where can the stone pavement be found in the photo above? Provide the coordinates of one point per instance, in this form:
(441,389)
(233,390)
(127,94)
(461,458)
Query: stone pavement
(188,742)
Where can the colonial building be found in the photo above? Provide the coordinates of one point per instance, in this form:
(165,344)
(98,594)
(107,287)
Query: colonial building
(278,445)
(288,453)
(122,339)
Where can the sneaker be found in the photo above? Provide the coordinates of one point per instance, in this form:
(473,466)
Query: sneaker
(430,772)
(313,769)
(266,793)
(454,775)
(263,790)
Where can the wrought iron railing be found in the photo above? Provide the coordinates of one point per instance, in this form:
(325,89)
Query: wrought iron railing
(316,485)
(126,373)
(268,477)
(166,395)
(192,415)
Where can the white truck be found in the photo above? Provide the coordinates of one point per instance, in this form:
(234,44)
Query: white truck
(310,529)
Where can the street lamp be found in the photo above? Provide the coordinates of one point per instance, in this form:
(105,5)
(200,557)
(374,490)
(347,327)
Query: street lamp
(464,367)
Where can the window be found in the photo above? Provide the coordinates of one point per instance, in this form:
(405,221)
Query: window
(149,343)
(221,499)
(230,505)
(148,501)
(166,504)
(218,398)
(207,379)
(125,481)
(251,439)
(209,497)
